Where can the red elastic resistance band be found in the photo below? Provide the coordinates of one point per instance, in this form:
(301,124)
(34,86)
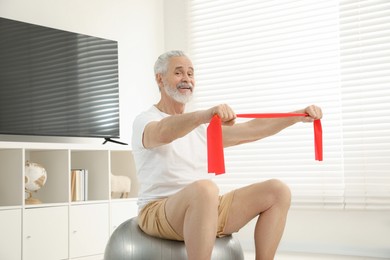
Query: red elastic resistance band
(215,156)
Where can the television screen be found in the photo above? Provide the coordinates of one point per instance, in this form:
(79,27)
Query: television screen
(57,83)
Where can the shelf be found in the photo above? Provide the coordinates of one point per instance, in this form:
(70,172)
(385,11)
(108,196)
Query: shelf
(56,164)
(45,205)
(59,228)
(4,208)
(122,164)
(11,177)
(58,160)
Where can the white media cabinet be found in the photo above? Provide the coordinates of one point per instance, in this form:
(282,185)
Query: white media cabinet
(59,228)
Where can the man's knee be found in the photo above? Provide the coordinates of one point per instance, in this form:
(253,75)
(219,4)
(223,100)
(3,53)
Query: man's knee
(205,189)
(279,191)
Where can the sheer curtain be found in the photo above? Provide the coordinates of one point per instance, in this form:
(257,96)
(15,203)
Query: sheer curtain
(280,56)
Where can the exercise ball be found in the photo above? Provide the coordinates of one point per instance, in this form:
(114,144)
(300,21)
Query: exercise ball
(128,241)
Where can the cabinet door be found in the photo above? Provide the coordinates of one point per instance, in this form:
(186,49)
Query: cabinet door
(45,233)
(122,211)
(11,234)
(89,229)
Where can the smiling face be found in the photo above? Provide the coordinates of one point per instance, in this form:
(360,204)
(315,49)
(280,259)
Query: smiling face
(178,82)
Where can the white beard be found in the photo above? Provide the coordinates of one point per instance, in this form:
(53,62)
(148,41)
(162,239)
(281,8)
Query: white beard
(175,93)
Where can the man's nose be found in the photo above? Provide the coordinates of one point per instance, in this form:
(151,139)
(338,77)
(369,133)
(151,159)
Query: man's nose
(186,78)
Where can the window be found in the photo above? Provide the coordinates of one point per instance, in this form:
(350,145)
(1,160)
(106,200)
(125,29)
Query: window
(365,81)
(280,56)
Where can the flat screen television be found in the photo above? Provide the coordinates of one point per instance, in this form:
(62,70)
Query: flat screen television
(57,83)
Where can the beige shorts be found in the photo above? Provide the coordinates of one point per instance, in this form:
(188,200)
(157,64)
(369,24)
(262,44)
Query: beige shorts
(152,219)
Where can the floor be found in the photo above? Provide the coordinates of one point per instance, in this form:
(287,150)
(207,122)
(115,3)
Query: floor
(298,256)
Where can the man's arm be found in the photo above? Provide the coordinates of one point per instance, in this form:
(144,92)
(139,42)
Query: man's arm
(168,129)
(259,128)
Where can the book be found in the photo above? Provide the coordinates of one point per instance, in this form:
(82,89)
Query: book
(79,184)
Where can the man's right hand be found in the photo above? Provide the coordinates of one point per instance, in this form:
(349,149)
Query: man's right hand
(224,112)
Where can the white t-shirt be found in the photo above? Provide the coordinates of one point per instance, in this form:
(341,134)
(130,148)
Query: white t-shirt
(166,169)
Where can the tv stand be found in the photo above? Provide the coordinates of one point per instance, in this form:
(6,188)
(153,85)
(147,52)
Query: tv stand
(58,227)
(107,139)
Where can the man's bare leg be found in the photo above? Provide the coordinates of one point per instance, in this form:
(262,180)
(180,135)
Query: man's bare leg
(193,213)
(272,200)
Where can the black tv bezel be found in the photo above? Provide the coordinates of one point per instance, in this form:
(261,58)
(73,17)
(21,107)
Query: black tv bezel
(91,134)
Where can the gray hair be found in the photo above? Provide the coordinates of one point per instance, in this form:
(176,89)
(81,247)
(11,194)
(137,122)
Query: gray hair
(161,65)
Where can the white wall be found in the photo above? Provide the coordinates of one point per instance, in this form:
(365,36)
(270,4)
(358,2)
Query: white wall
(137,25)
(176,25)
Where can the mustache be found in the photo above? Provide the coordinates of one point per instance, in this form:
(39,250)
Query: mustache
(184,85)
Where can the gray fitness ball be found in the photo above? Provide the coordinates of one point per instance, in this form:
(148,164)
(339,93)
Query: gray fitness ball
(128,241)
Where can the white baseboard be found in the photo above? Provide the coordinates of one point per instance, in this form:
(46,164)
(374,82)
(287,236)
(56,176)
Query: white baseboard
(304,256)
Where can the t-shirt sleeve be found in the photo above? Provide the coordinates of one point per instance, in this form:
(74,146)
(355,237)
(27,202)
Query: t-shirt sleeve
(138,129)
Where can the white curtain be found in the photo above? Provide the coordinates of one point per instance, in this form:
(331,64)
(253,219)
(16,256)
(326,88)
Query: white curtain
(280,56)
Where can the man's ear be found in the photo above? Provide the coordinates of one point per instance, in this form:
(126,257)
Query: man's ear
(159,80)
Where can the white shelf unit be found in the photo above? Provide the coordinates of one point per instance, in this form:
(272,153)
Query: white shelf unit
(60,228)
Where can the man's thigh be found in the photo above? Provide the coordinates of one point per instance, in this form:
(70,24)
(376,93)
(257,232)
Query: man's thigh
(177,205)
(152,220)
